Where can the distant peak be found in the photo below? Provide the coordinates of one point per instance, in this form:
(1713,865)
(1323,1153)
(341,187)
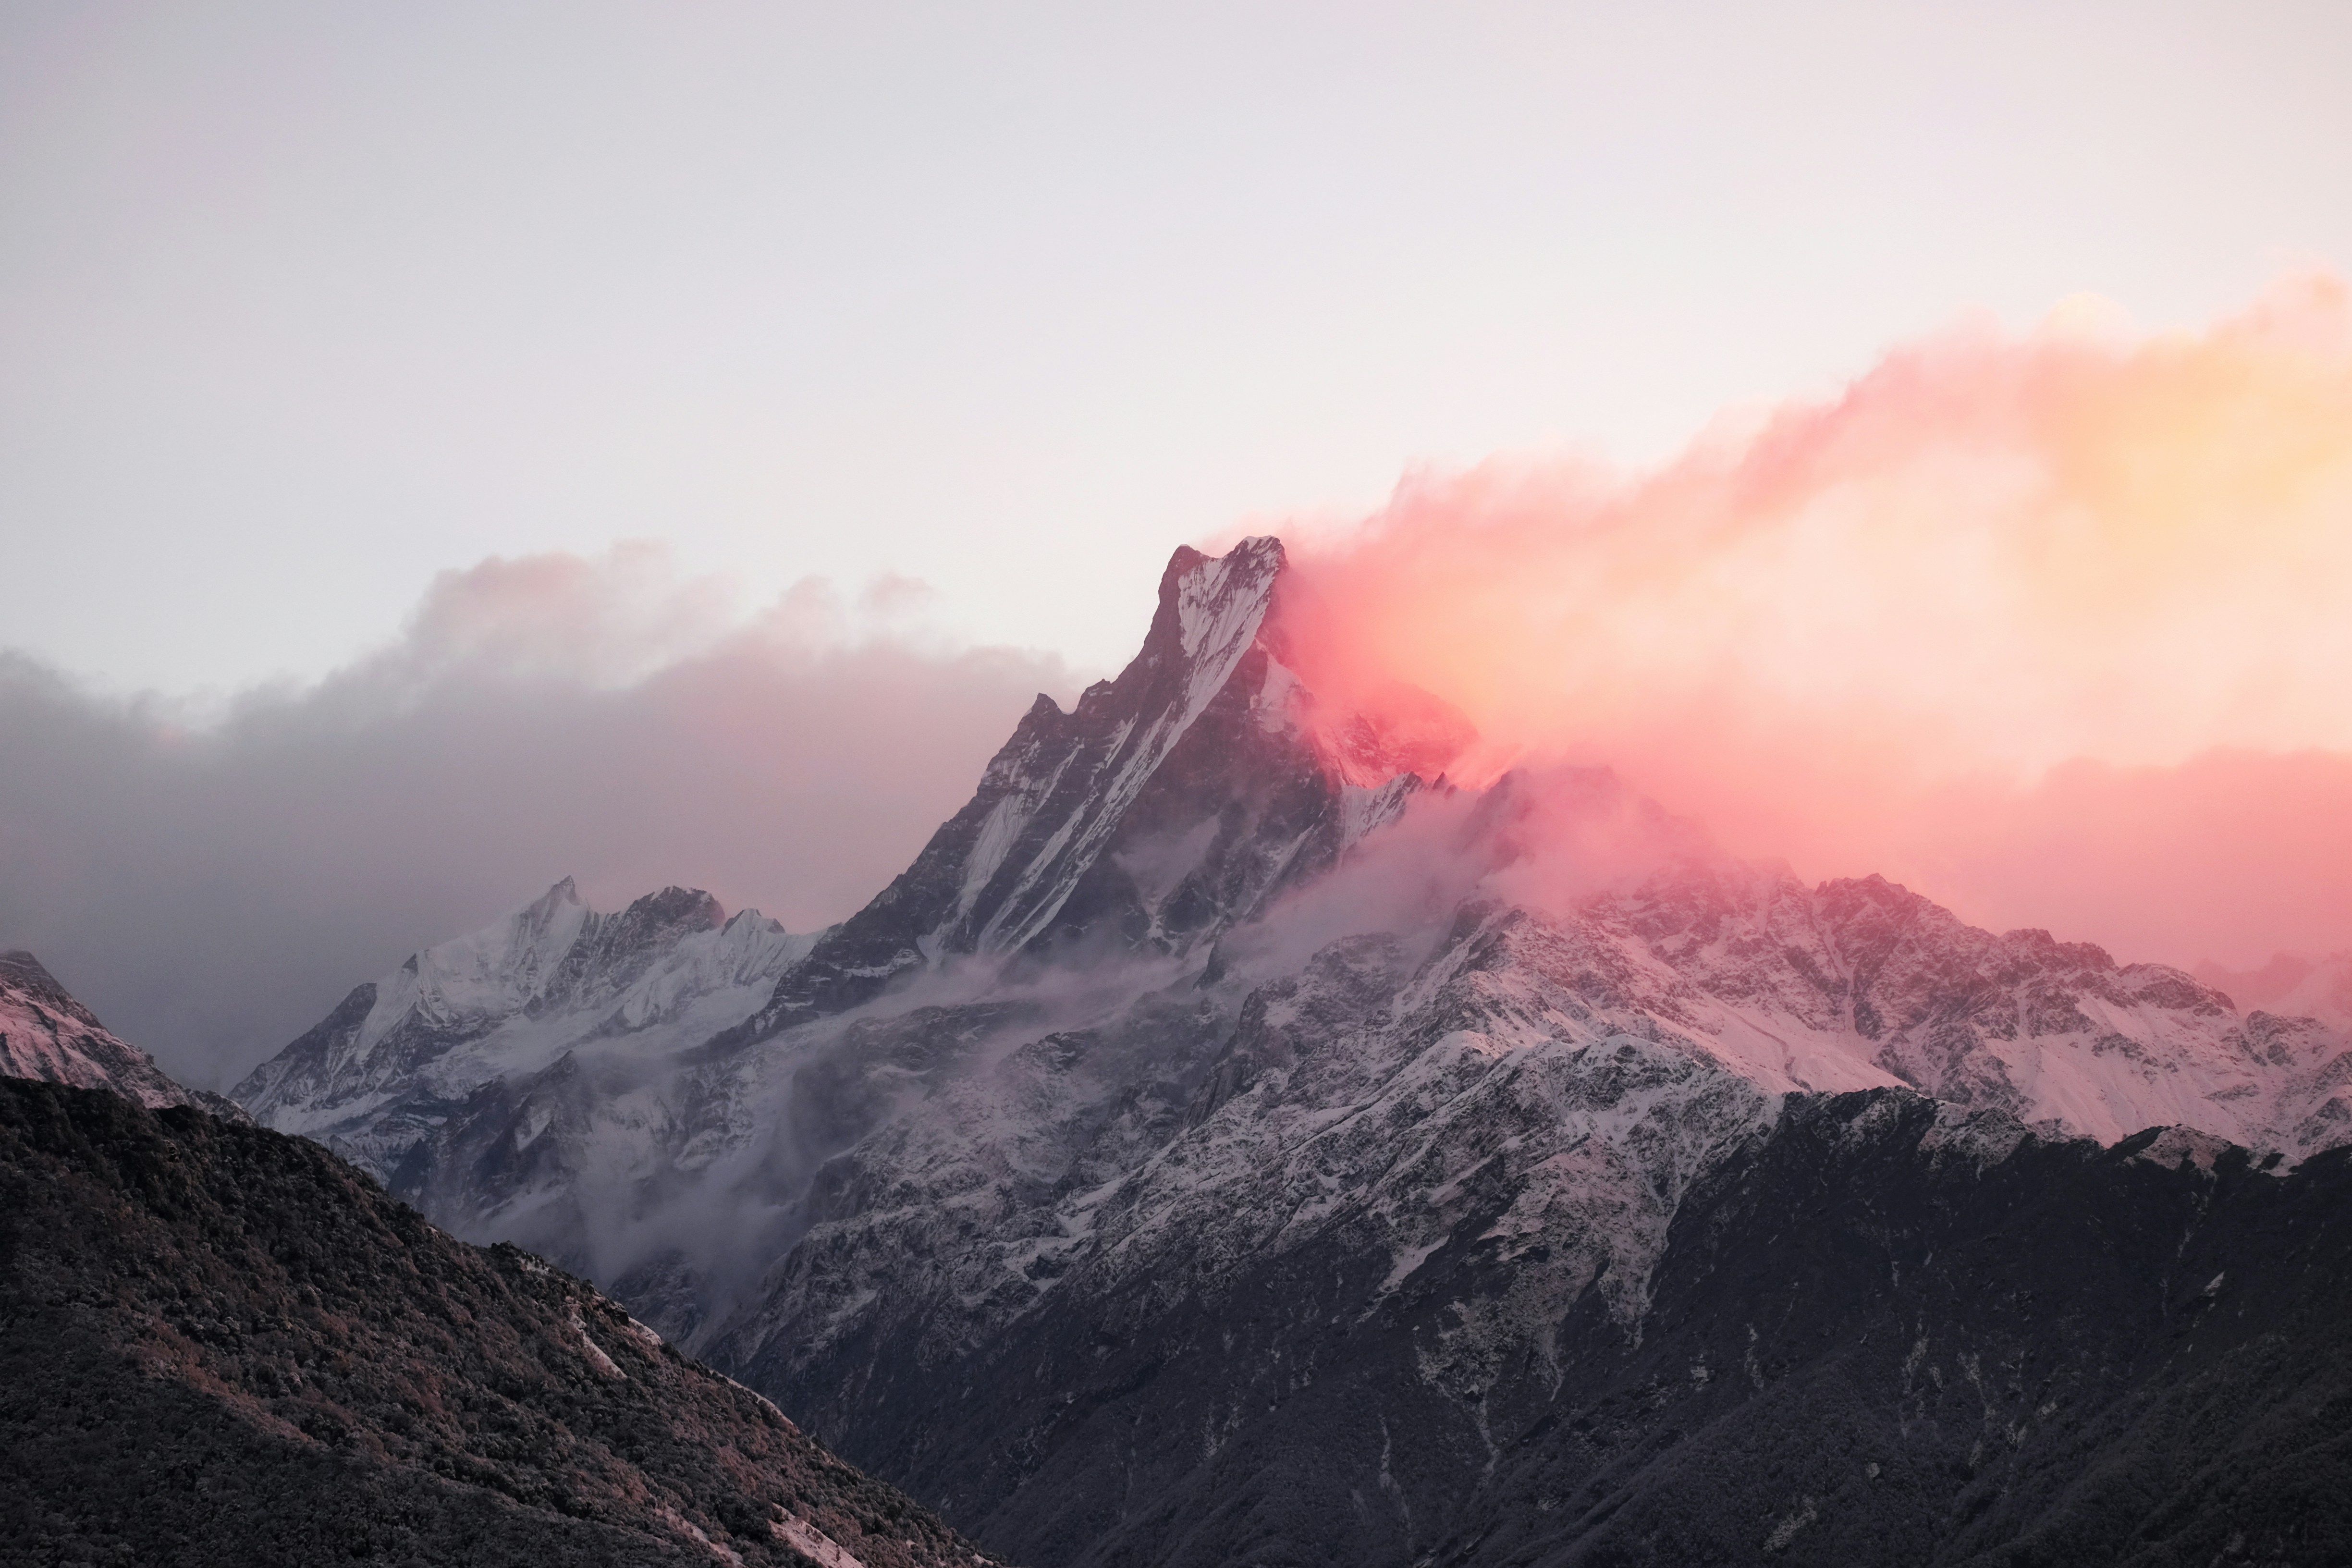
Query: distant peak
(1260,553)
(1212,606)
(675,905)
(1214,597)
(25,969)
(21,972)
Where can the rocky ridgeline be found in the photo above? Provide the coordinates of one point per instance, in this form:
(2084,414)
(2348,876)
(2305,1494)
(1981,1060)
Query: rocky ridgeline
(47,1033)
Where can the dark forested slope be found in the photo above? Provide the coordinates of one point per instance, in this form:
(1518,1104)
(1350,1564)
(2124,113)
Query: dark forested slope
(1879,1335)
(220,1344)
(1869,1345)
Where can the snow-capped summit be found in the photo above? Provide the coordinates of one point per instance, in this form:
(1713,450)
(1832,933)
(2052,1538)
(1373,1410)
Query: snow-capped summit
(46,1033)
(1164,807)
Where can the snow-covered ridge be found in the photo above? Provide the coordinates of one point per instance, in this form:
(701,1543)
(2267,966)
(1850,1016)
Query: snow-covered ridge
(1864,983)
(47,1033)
(556,977)
(486,975)
(1584,1066)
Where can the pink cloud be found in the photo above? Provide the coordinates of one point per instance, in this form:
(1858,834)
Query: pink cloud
(2054,628)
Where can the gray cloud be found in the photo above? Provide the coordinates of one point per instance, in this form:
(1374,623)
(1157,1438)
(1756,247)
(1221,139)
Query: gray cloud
(211,887)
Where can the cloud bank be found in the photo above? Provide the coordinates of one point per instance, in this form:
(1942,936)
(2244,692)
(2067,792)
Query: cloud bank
(2055,628)
(211,887)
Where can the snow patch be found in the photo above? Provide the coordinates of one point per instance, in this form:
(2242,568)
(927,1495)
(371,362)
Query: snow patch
(590,1349)
(811,1542)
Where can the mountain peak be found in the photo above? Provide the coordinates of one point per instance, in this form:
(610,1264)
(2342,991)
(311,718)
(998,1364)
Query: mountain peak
(1216,602)
(680,906)
(20,971)
(1211,611)
(1163,806)
(46,1033)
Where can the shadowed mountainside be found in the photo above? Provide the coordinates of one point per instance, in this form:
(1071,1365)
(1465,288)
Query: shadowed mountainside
(223,1345)
(1881,1333)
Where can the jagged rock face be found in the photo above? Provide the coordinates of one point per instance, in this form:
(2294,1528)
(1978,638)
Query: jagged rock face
(45,1033)
(221,1345)
(1201,1061)
(1167,806)
(1369,1104)
(378,1076)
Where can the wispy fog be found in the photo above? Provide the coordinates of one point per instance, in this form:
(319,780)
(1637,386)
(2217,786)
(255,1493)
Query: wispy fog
(211,883)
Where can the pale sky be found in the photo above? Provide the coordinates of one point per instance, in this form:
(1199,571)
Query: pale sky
(300,305)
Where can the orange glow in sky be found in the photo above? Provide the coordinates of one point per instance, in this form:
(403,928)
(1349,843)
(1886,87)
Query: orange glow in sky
(2056,629)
